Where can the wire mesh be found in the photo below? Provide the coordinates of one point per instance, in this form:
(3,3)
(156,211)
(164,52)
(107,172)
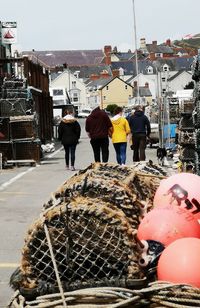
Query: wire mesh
(92,220)
(90,242)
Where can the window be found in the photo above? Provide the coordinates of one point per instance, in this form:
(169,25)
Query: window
(163,79)
(104,98)
(57,92)
(59,102)
(73,84)
(107,87)
(165,68)
(75,97)
(159,55)
(126,87)
(150,70)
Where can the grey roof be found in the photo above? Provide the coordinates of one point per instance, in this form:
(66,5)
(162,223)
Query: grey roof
(102,82)
(53,58)
(159,48)
(177,74)
(99,83)
(124,56)
(86,71)
(144,91)
(128,67)
(175,64)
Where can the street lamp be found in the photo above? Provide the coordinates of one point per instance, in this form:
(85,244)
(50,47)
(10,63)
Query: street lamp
(136,55)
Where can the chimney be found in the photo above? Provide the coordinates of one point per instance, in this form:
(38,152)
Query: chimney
(94,77)
(135,84)
(146,85)
(143,43)
(107,52)
(115,73)
(168,42)
(154,43)
(152,56)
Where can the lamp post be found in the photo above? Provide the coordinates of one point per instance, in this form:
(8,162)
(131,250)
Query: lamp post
(136,55)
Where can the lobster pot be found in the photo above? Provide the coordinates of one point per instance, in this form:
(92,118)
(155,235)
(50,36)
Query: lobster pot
(14,84)
(23,128)
(131,191)
(186,137)
(197,139)
(186,123)
(186,106)
(174,113)
(4,128)
(24,150)
(187,154)
(91,242)
(15,93)
(89,224)
(13,107)
(6,149)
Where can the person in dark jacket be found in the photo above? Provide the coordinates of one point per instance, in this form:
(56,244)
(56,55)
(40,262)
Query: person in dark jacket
(69,132)
(98,126)
(140,130)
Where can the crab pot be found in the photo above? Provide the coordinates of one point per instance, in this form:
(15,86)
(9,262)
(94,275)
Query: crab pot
(24,150)
(6,150)
(90,242)
(89,224)
(4,128)
(12,107)
(23,128)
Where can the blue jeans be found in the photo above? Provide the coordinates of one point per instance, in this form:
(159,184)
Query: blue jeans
(120,149)
(70,149)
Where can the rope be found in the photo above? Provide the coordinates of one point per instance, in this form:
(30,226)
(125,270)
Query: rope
(55,265)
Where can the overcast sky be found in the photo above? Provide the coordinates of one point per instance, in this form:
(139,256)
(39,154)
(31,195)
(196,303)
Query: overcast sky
(92,24)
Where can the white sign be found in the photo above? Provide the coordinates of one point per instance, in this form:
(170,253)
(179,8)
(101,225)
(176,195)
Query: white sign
(9,32)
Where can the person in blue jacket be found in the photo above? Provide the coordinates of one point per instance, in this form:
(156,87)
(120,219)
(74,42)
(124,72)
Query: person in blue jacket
(140,130)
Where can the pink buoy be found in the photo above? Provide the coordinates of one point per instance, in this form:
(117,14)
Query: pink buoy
(179,262)
(182,189)
(167,224)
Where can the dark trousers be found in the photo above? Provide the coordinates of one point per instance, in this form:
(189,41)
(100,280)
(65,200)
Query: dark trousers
(139,146)
(100,146)
(120,149)
(70,150)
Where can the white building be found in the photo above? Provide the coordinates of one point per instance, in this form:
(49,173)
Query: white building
(72,87)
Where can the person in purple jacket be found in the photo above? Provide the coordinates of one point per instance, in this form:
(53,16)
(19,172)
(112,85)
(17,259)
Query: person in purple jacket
(98,127)
(140,130)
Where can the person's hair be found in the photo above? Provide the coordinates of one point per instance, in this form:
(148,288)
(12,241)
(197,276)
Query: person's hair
(68,111)
(139,107)
(118,110)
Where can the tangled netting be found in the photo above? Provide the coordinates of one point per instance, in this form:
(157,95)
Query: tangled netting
(85,236)
(155,295)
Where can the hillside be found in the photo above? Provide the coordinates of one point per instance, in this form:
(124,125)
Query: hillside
(193,42)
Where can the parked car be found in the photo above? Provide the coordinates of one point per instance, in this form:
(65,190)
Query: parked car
(84,113)
(154,137)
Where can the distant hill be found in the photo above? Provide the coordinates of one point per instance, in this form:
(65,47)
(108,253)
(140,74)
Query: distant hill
(193,42)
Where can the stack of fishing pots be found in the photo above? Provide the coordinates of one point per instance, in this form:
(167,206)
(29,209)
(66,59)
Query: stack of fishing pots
(196,112)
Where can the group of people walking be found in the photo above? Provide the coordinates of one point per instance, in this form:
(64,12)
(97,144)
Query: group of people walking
(134,130)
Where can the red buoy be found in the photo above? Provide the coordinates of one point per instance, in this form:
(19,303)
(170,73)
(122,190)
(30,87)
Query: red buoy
(179,262)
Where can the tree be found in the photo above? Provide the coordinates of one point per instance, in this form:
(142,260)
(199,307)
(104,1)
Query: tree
(190,85)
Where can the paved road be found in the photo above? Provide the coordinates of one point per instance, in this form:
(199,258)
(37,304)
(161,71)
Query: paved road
(23,191)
